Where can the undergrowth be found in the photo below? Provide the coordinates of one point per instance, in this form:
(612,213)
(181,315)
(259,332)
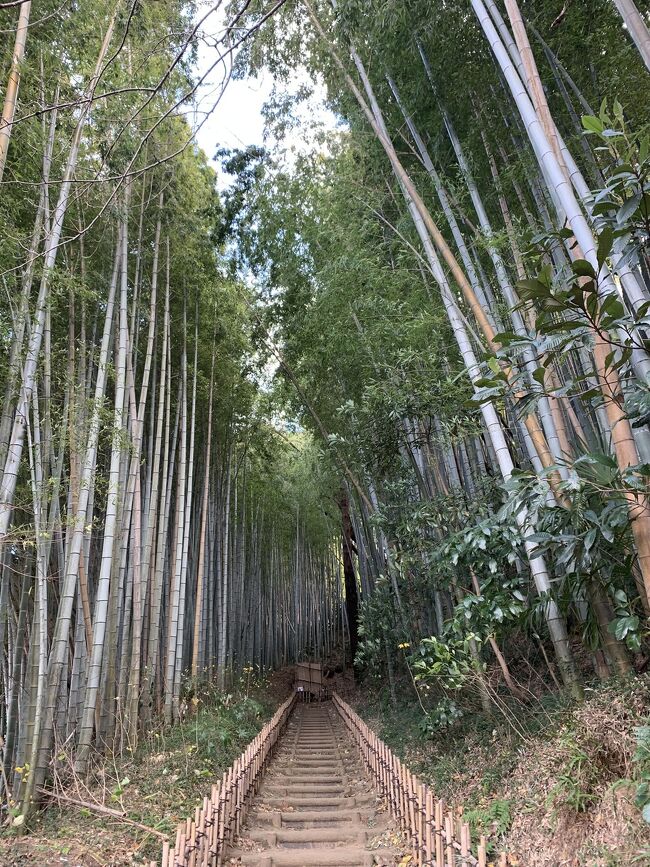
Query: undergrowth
(548,780)
(158,784)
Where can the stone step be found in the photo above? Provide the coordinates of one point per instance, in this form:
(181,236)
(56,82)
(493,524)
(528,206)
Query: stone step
(303,818)
(316,749)
(300,776)
(298,790)
(316,806)
(325,858)
(312,758)
(309,837)
(308,754)
(320,803)
(342,857)
(331,740)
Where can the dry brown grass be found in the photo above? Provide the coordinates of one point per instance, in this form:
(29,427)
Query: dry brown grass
(565,774)
(575,791)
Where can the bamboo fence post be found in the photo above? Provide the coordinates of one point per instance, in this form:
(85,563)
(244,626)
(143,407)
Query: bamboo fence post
(221,813)
(205,839)
(180,854)
(187,851)
(440,855)
(482,852)
(214,822)
(393,782)
(192,843)
(177,845)
(410,797)
(429,818)
(464,844)
(449,836)
(394,785)
(421,817)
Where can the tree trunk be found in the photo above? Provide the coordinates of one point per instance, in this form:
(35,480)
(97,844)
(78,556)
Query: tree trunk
(348,548)
(11,94)
(636,27)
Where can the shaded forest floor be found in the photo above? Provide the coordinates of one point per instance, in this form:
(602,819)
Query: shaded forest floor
(158,786)
(552,782)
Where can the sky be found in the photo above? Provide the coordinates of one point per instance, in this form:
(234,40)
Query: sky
(237,121)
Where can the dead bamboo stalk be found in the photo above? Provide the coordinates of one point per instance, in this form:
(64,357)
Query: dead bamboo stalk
(100,808)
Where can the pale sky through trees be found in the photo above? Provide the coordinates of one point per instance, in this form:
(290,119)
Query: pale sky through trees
(379,397)
(237,119)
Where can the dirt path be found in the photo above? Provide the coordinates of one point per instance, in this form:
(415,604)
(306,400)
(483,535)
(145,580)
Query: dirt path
(316,806)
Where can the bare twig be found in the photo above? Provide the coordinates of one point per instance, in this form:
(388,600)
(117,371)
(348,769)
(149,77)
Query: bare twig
(100,808)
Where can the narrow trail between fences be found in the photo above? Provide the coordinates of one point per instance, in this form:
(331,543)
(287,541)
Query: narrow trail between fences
(317,787)
(316,805)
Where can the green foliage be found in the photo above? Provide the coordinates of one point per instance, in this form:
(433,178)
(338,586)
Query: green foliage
(642,761)
(492,819)
(379,631)
(443,715)
(574,788)
(623,204)
(443,663)
(626,625)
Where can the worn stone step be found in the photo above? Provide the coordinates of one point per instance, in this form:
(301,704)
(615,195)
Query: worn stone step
(298,789)
(315,745)
(304,818)
(309,837)
(300,775)
(316,749)
(325,735)
(330,740)
(316,806)
(317,734)
(315,759)
(316,764)
(320,803)
(343,857)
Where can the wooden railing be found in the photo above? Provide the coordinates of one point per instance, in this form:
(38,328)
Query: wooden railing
(436,834)
(203,840)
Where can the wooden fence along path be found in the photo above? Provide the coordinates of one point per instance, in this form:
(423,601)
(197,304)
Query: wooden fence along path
(436,834)
(203,840)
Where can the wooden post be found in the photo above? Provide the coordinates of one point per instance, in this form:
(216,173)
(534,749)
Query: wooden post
(411,817)
(464,844)
(482,852)
(449,835)
(440,855)
(428,827)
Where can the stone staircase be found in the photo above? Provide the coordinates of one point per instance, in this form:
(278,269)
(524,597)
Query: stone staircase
(316,806)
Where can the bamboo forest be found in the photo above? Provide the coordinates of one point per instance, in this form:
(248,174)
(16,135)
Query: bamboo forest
(325,432)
